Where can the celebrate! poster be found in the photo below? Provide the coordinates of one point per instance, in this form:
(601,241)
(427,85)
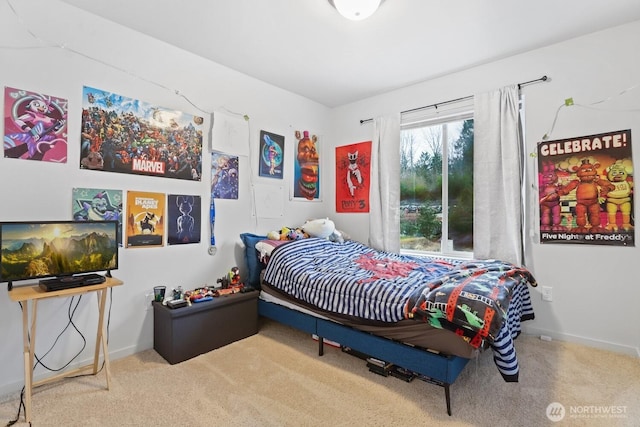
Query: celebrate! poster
(586,190)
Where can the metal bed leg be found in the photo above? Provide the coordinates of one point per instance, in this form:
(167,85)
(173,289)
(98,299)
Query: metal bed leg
(447,397)
(320,346)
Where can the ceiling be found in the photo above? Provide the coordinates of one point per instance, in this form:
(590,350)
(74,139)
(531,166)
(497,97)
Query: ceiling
(307,48)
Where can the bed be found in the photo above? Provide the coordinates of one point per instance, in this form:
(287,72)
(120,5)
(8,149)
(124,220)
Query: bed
(427,315)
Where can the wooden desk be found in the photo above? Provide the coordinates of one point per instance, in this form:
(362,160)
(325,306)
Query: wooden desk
(33,294)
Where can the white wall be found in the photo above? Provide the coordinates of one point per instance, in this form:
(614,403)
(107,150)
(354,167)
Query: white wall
(595,290)
(118,60)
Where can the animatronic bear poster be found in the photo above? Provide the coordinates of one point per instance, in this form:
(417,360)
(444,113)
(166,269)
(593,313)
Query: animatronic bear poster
(183,223)
(125,135)
(586,190)
(353,163)
(145,219)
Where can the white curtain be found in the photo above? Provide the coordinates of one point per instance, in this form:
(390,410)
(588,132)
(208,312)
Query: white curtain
(497,176)
(384,197)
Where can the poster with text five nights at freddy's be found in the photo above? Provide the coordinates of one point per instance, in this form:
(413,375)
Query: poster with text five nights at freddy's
(586,190)
(145,219)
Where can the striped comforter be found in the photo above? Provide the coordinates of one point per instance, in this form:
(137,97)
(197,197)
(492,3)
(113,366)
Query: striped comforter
(482,301)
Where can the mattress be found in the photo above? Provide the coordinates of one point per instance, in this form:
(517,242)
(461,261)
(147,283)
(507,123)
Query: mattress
(419,334)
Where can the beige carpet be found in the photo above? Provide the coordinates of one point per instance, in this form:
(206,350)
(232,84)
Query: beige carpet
(275,378)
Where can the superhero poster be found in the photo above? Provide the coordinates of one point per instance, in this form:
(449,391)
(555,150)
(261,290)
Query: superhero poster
(90,204)
(35,126)
(586,190)
(183,219)
(271,154)
(353,164)
(145,219)
(224,176)
(125,135)
(306,178)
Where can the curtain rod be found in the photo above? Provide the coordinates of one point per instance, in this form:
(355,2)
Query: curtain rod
(541,79)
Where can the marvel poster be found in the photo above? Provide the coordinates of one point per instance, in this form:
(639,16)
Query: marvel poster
(183,219)
(586,190)
(125,135)
(353,163)
(271,154)
(35,126)
(145,219)
(91,204)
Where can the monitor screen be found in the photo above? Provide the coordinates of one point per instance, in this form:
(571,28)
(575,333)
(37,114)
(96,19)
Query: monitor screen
(38,249)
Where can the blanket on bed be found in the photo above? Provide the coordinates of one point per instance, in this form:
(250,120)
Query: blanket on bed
(471,298)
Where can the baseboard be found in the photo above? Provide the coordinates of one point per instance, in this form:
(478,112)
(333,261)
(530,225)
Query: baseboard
(11,391)
(589,342)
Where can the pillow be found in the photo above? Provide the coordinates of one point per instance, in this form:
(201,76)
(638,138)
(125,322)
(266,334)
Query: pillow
(265,247)
(251,258)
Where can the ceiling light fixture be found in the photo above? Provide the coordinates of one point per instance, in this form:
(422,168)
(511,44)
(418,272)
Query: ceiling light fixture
(356,10)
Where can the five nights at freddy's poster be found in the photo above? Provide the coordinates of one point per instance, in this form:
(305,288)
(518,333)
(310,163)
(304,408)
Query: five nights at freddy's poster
(586,190)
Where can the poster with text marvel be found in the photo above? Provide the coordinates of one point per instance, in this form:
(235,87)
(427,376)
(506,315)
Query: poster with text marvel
(125,135)
(353,164)
(145,219)
(586,190)
(35,126)
(183,219)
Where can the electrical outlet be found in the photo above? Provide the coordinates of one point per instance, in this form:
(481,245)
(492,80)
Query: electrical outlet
(547,293)
(148,299)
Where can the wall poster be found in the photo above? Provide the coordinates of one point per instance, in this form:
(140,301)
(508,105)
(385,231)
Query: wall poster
(35,126)
(224,176)
(586,190)
(353,164)
(306,180)
(125,135)
(145,219)
(90,204)
(184,219)
(271,154)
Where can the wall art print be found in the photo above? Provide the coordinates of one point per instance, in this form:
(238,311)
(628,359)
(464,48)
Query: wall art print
(91,204)
(224,176)
(145,219)
(271,155)
(125,135)
(586,190)
(353,164)
(35,126)
(306,180)
(183,219)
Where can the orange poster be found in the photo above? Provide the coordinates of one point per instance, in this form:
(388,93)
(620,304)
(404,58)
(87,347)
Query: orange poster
(145,219)
(353,168)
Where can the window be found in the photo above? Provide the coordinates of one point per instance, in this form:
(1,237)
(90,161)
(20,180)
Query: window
(436,185)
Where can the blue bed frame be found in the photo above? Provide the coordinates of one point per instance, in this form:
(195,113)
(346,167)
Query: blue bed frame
(438,369)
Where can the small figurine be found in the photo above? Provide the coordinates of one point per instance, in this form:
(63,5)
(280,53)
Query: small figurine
(234,276)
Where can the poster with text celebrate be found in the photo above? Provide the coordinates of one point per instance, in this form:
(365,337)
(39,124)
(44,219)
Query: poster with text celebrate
(125,135)
(145,219)
(586,190)
(353,168)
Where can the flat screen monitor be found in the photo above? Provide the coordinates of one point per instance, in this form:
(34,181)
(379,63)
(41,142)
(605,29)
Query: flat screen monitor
(37,249)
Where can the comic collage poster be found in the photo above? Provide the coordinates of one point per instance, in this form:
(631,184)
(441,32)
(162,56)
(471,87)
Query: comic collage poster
(125,135)
(224,176)
(90,204)
(145,219)
(353,165)
(35,126)
(271,155)
(306,180)
(586,190)
(183,219)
